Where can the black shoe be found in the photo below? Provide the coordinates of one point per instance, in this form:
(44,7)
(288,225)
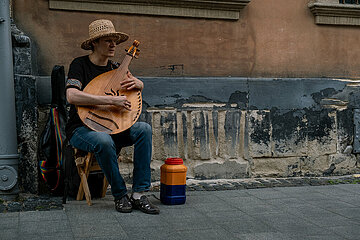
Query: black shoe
(144,205)
(123,204)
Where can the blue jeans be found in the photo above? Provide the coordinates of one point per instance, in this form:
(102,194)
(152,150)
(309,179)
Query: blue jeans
(106,148)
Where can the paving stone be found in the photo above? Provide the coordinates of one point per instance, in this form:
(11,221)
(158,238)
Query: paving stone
(9,234)
(200,223)
(350,213)
(258,209)
(316,237)
(331,220)
(244,201)
(219,206)
(330,204)
(66,235)
(186,213)
(227,216)
(263,236)
(38,227)
(207,234)
(269,193)
(153,233)
(202,199)
(9,222)
(29,216)
(228,195)
(99,228)
(346,232)
(140,220)
(297,227)
(246,226)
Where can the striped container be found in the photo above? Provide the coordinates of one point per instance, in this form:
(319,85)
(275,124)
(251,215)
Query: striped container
(173,182)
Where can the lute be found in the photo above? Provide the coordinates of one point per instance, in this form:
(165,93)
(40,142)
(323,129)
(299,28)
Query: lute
(109,118)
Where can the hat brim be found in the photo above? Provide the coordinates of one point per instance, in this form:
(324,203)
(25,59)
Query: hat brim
(121,37)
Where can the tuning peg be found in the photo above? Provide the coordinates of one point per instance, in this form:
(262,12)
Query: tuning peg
(136,43)
(137,53)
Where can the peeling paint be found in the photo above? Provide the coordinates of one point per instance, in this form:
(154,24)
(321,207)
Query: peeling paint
(201,133)
(260,124)
(232,131)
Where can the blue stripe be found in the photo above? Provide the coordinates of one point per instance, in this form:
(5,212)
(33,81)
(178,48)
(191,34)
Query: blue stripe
(172,194)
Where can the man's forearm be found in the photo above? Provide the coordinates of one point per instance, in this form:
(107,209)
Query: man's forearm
(77,97)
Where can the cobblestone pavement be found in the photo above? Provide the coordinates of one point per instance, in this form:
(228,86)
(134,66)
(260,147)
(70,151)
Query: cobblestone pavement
(29,202)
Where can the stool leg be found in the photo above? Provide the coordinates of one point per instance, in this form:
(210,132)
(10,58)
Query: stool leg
(84,173)
(84,189)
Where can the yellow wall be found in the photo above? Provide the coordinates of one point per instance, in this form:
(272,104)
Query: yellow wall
(272,38)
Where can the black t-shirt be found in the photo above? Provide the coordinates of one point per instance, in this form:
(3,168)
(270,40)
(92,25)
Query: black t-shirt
(81,72)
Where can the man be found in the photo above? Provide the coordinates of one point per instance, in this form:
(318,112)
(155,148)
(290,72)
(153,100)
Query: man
(102,41)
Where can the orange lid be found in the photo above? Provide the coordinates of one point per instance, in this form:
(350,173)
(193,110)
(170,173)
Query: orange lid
(174,161)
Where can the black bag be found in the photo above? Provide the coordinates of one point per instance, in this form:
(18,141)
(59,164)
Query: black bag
(50,154)
(71,176)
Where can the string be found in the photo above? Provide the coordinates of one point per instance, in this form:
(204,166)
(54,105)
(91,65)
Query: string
(119,72)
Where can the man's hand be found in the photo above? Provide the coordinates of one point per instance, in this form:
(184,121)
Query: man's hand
(121,102)
(132,82)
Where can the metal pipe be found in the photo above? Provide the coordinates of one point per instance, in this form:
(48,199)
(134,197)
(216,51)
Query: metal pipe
(8,137)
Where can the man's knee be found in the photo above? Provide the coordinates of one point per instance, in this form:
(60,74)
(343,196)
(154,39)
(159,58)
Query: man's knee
(145,129)
(103,141)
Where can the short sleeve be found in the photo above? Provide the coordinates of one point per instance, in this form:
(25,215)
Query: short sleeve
(76,75)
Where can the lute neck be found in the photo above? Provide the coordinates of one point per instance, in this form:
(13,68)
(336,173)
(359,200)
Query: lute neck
(126,61)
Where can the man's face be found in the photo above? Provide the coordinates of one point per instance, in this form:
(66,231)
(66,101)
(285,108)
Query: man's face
(105,46)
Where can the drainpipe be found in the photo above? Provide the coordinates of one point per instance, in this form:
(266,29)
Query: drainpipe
(9,157)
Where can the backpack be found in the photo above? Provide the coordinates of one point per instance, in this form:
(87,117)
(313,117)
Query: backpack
(71,177)
(50,147)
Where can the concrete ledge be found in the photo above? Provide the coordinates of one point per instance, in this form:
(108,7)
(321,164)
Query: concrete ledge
(333,13)
(184,8)
(239,92)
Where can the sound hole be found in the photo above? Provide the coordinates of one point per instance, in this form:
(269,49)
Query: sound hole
(113,93)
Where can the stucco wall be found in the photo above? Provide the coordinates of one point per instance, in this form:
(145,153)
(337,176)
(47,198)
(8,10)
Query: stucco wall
(272,38)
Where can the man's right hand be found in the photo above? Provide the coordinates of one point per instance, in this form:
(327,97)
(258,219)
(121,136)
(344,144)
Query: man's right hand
(121,102)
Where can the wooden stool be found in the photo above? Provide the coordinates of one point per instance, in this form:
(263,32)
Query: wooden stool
(86,163)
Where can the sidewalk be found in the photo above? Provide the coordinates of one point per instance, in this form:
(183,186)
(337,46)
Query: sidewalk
(304,212)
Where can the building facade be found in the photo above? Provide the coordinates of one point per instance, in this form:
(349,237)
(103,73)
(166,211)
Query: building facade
(241,88)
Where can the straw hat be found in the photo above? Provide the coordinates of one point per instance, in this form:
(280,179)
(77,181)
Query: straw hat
(102,28)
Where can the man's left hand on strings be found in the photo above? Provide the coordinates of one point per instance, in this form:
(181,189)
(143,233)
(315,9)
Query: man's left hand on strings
(132,82)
